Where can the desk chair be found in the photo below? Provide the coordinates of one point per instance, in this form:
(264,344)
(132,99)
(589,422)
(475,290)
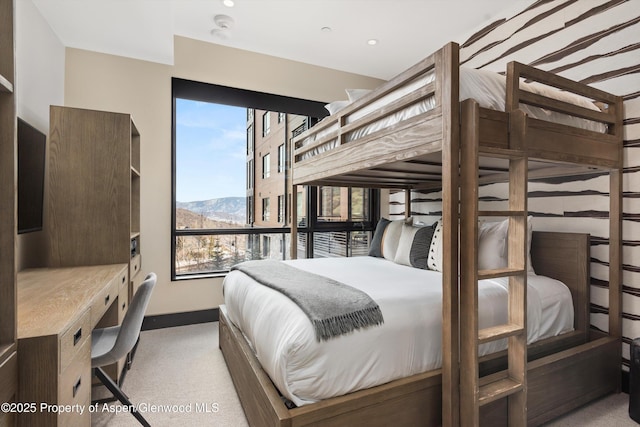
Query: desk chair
(109,345)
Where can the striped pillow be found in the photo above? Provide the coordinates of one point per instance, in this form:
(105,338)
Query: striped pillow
(413,247)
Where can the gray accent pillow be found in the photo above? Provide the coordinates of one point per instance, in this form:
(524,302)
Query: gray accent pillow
(375,249)
(419,253)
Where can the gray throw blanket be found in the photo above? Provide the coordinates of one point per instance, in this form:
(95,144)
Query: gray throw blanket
(333,307)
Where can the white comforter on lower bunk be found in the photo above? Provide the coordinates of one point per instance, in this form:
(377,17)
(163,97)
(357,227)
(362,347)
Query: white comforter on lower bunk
(409,341)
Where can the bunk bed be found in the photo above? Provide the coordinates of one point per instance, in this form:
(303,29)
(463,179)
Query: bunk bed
(383,140)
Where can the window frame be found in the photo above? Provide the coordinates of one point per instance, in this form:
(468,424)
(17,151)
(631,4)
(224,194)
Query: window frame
(252,100)
(266,166)
(266,123)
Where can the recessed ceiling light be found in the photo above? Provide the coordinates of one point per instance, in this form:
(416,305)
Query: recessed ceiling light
(372,42)
(228,3)
(325,29)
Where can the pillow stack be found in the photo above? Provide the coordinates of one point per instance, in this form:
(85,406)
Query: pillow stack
(421,246)
(402,242)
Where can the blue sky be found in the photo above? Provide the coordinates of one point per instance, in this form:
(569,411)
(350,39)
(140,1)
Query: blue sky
(210,151)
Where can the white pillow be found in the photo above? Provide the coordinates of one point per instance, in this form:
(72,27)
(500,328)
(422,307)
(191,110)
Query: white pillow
(354,94)
(435,249)
(493,246)
(335,106)
(391,238)
(408,233)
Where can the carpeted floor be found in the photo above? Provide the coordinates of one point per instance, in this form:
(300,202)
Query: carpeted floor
(180,370)
(180,378)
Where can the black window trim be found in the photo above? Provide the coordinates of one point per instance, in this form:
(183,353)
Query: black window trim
(208,92)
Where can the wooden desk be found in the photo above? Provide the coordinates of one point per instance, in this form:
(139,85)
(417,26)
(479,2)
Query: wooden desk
(57,310)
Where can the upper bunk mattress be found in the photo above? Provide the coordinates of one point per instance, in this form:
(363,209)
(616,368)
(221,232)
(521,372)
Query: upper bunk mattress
(486,87)
(408,343)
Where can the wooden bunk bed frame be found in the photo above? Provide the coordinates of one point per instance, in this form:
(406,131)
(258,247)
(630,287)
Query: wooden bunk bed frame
(563,372)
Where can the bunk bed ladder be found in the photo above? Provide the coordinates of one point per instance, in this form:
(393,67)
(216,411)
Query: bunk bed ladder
(476,391)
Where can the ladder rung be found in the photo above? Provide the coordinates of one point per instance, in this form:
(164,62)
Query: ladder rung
(501,213)
(498,389)
(501,272)
(495,333)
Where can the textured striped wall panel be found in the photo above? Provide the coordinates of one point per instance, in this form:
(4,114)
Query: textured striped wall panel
(595,42)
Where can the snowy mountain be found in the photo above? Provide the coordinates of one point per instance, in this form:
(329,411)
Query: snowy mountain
(231,209)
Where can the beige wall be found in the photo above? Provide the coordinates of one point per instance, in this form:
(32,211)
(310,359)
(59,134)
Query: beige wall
(105,82)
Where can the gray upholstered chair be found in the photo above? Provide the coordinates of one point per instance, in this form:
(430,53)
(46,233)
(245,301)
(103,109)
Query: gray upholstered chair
(109,345)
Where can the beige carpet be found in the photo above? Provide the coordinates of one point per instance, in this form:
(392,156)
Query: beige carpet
(182,372)
(173,367)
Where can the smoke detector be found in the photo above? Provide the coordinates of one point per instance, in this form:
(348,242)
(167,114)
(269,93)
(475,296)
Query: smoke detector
(224,24)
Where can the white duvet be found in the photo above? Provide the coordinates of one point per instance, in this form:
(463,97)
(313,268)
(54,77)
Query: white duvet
(409,341)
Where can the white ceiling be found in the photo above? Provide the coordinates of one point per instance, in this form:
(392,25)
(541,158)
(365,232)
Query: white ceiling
(407,30)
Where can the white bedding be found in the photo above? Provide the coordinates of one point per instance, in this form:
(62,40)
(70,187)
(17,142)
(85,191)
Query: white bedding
(486,87)
(409,341)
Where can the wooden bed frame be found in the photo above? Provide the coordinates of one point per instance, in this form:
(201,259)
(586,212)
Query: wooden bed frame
(425,151)
(417,400)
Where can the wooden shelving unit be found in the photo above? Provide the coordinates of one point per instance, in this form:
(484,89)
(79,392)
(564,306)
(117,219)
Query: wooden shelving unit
(93,211)
(8,156)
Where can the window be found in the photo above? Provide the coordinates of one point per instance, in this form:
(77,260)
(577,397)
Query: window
(265,209)
(250,174)
(281,117)
(220,210)
(266,166)
(250,139)
(281,209)
(282,160)
(329,204)
(266,123)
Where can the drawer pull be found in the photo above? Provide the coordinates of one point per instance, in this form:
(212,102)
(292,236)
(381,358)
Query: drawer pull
(124,278)
(77,336)
(106,299)
(124,305)
(76,387)
(135,267)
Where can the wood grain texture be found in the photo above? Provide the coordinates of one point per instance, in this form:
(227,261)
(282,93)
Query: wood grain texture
(56,312)
(9,379)
(8,206)
(51,299)
(510,135)
(407,402)
(89,204)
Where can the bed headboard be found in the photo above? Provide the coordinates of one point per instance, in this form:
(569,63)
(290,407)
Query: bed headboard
(566,257)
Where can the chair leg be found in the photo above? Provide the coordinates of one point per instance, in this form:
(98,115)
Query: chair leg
(117,392)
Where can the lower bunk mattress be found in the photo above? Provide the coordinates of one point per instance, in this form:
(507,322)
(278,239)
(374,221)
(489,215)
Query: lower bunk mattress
(407,343)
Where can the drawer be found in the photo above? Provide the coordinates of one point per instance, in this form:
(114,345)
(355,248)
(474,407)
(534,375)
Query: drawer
(135,264)
(104,300)
(123,303)
(8,419)
(73,339)
(75,419)
(9,379)
(74,386)
(136,282)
